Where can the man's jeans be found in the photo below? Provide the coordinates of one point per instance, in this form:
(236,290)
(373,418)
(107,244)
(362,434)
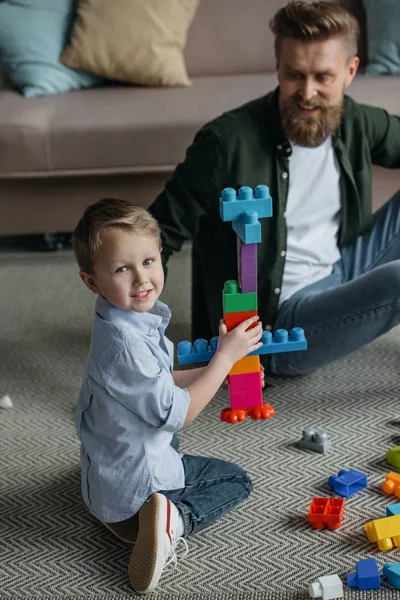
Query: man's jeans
(213,487)
(359,301)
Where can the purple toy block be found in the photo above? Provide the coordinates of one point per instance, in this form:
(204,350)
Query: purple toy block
(248,283)
(248,265)
(246,250)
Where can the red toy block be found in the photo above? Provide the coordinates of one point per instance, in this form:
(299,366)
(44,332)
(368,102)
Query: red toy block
(246,365)
(326,511)
(232,319)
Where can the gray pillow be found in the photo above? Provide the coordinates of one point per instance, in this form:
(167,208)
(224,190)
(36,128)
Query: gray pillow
(383,36)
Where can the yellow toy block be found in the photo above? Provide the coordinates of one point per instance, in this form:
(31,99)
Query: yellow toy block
(248,364)
(391,485)
(385,532)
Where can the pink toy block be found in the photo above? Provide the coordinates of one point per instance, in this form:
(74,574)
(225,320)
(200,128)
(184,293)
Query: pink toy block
(249,283)
(245,390)
(246,400)
(245,382)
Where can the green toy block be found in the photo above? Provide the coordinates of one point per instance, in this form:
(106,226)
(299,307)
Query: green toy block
(393,457)
(235,301)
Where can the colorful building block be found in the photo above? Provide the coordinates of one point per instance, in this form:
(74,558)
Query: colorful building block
(232,206)
(393,457)
(245,250)
(326,587)
(244,382)
(239,300)
(317,441)
(391,572)
(235,301)
(282,341)
(245,390)
(249,283)
(348,483)
(248,228)
(233,319)
(385,532)
(248,364)
(200,351)
(393,509)
(326,512)
(366,576)
(391,485)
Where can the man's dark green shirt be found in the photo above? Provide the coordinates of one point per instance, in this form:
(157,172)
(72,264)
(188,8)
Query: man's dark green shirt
(246,146)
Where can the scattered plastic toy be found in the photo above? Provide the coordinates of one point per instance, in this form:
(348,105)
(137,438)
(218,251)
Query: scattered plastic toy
(317,441)
(391,485)
(391,571)
(326,511)
(385,532)
(327,587)
(6,402)
(393,457)
(366,576)
(348,483)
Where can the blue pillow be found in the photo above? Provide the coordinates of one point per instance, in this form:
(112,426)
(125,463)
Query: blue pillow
(383,36)
(33,34)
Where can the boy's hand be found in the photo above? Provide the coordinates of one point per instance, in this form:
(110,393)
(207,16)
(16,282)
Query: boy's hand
(239,342)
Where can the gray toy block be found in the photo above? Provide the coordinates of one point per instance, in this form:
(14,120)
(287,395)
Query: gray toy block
(317,441)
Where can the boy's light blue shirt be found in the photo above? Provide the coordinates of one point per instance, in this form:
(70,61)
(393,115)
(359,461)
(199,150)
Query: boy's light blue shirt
(128,409)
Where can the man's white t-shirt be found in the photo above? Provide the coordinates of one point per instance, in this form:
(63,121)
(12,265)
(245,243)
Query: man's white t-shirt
(312,217)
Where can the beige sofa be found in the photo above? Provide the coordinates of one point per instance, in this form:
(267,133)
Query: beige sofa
(60,153)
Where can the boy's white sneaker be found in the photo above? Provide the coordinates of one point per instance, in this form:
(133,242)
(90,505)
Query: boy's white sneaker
(160,529)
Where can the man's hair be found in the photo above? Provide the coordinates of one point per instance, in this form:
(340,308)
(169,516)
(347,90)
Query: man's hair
(315,21)
(106,214)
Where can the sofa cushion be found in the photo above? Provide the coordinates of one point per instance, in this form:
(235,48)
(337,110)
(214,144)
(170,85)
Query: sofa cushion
(383,35)
(32,36)
(121,129)
(131,40)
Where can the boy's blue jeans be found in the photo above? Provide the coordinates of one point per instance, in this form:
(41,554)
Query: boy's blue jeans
(213,487)
(359,301)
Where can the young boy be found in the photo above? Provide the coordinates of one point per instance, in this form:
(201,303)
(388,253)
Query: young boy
(132,403)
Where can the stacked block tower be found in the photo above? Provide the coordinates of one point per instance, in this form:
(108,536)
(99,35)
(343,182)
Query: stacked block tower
(240,301)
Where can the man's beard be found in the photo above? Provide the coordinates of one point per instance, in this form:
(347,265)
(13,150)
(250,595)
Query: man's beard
(308,131)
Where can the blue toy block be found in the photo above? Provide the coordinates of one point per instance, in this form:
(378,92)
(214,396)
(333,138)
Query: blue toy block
(248,228)
(282,341)
(393,509)
(232,206)
(391,571)
(366,576)
(201,351)
(348,483)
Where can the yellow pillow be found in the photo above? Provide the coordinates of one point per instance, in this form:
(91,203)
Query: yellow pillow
(135,41)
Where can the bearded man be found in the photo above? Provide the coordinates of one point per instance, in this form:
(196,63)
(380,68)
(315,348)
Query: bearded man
(325,263)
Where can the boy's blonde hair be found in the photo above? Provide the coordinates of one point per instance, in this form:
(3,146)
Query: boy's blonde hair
(103,215)
(315,21)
